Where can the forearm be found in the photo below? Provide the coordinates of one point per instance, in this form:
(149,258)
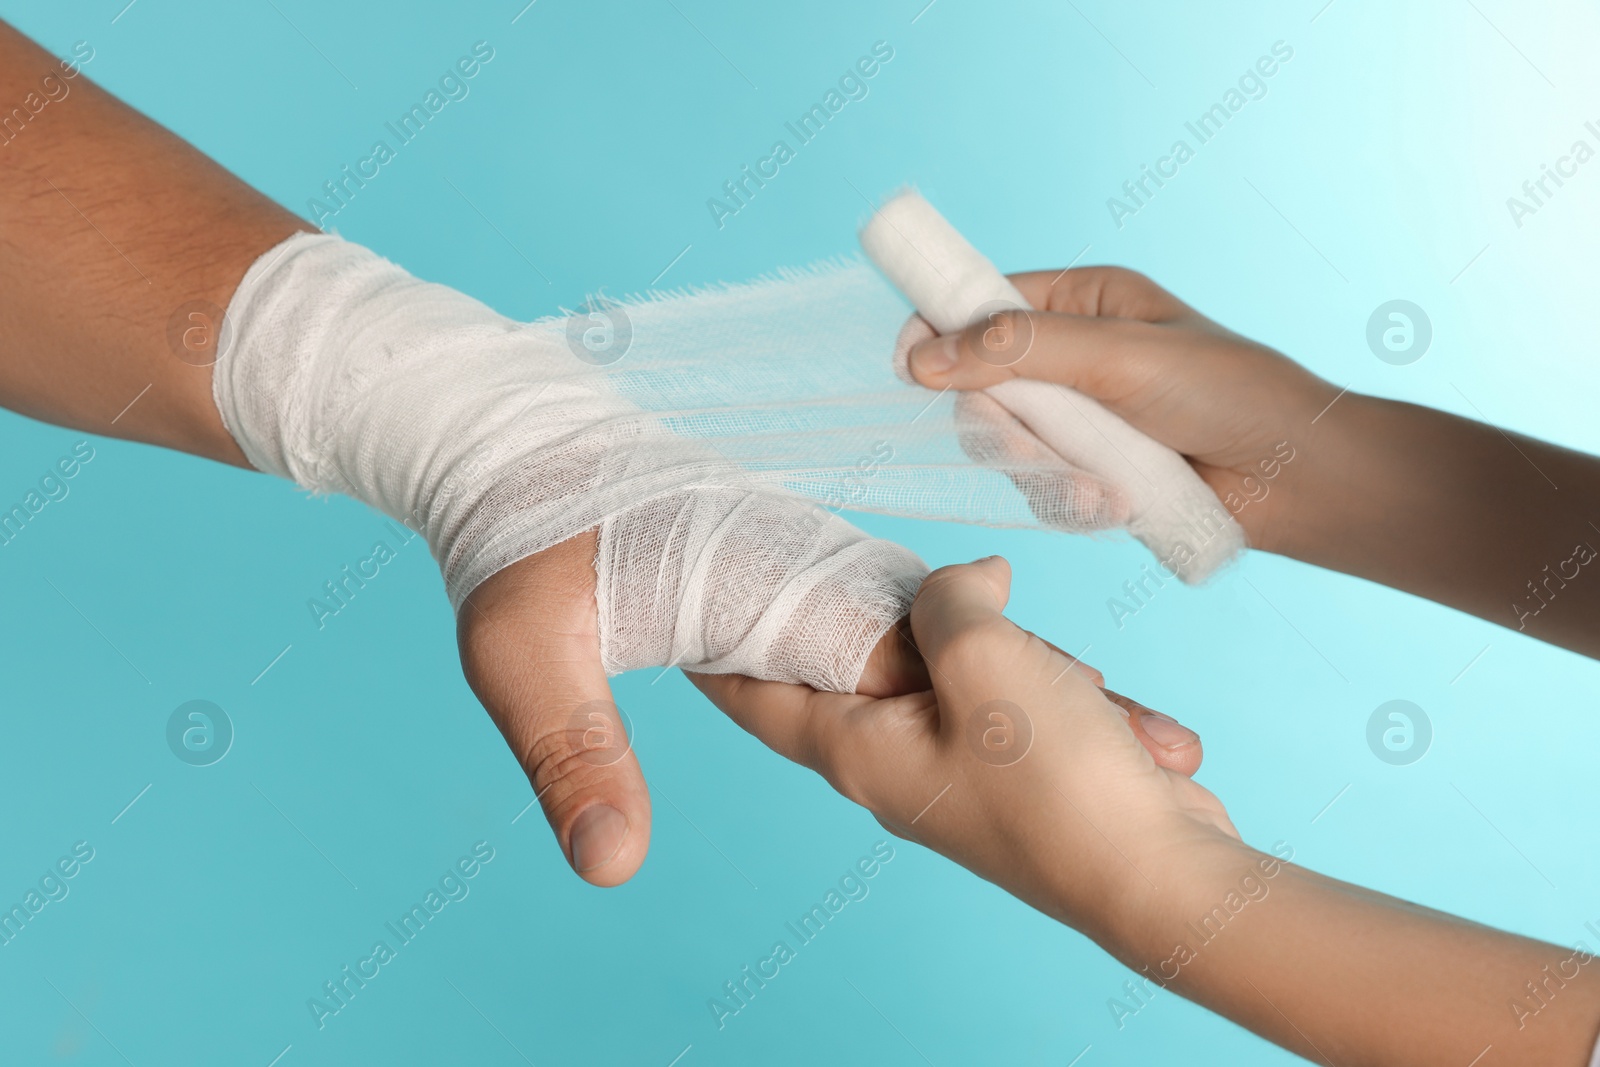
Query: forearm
(1341,974)
(1490,522)
(119,246)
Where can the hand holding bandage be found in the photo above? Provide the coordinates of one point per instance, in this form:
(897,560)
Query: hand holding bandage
(958,293)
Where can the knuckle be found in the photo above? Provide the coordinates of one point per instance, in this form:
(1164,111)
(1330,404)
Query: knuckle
(942,576)
(1114,291)
(1077,290)
(930,594)
(977,648)
(557,763)
(1127,276)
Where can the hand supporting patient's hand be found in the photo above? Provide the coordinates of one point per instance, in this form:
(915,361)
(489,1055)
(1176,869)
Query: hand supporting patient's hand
(1236,409)
(1016,765)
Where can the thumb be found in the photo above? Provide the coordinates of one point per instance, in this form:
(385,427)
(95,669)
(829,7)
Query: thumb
(968,643)
(1100,357)
(959,610)
(530,649)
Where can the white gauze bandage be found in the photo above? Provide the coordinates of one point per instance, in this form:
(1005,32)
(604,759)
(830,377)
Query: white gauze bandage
(708,436)
(497,440)
(952,285)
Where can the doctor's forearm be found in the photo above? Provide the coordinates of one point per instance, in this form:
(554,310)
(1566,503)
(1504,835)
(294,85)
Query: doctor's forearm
(1491,522)
(1344,975)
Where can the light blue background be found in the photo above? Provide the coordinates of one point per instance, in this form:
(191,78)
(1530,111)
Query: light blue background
(1380,159)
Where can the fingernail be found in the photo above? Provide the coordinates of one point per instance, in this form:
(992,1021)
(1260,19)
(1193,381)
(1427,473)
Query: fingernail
(1168,732)
(597,836)
(935,356)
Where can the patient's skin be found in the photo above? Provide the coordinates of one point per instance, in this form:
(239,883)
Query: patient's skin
(120,245)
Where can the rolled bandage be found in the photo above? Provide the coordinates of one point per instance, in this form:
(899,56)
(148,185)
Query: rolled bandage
(952,285)
(498,439)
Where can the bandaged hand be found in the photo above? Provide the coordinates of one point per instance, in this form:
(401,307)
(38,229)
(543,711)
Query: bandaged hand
(499,443)
(578,536)
(1237,410)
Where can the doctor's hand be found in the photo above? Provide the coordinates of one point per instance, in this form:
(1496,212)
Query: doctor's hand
(1016,764)
(1234,408)
(1022,770)
(1389,491)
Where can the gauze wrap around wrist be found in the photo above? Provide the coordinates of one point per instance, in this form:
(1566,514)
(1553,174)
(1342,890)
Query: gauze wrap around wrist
(496,441)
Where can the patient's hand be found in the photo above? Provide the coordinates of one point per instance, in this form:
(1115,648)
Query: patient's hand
(530,649)
(1077,819)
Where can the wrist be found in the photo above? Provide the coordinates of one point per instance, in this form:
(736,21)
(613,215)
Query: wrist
(499,441)
(1329,482)
(1183,895)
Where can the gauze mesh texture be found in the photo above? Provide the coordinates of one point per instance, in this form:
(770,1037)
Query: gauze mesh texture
(710,436)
